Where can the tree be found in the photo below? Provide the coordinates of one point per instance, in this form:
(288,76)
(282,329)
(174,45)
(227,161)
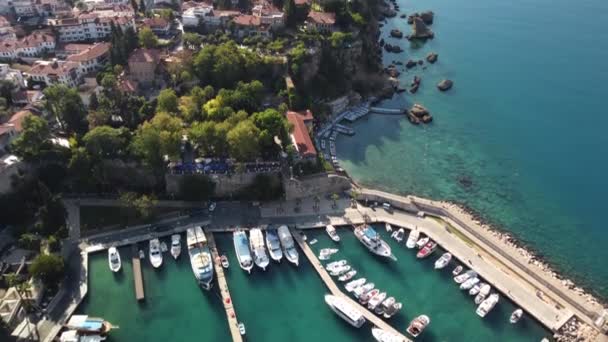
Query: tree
(147,38)
(209,137)
(158,137)
(106,142)
(167,101)
(48,268)
(66,105)
(51,215)
(196,188)
(192,40)
(271,124)
(93,102)
(289,8)
(79,168)
(243,141)
(33,139)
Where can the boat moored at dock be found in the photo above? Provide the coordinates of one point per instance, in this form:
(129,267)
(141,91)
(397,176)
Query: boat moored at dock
(176,245)
(345,310)
(516,316)
(333,234)
(372,241)
(274,245)
(484,290)
(412,238)
(361,290)
(114,259)
(459,279)
(456,271)
(156,257)
(348,275)
(382,335)
(420,243)
(443,261)
(241,248)
(389,307)
(418,325)
(469,283)
(398,235)
(487,305)
(376,300)
(256,241)
(427,250)
(352,285)
(86,325)
(289,248)
(200,256)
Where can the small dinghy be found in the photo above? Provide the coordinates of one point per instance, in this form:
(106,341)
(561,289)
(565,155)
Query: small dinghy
(335,264)
(516,316)
(348,276)
(326,253)
(242,328)
(422,242)
(484,290)
(457,270)
(443,261)
(399,235)
(388,227)
(224,261)
(114,259)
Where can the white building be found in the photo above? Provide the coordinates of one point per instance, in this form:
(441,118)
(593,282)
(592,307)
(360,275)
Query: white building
(12,75)
(93,25)
(91,59)
(56,72)
(33,45)
(195,15)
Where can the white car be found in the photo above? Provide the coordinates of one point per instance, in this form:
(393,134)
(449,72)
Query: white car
(212,206)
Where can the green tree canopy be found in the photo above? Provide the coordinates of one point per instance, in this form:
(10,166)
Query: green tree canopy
(66,105)
(106,142)
(158,137)
(147,38)
(243,141)
(167,101)
(271,123)
(33,139)
(48,268)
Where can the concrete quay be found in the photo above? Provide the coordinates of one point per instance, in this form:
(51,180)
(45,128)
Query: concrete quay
(333,288)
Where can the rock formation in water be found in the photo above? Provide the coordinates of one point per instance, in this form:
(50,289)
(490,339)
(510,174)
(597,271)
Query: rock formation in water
(396,33)
(445,85)
(410,64)
(432,57)
(419,113)
(420,30)
(427,17)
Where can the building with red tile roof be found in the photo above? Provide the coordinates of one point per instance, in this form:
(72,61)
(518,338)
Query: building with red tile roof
(300,137)
(158,25)
(33,45)
(91,59)
(53,72)
(321,21)
(143,64)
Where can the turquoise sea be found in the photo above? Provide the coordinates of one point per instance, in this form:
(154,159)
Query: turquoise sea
(520,138)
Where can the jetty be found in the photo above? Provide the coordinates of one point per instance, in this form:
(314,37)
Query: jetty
(380,110)
(138,277)
(333,288)
(233,323)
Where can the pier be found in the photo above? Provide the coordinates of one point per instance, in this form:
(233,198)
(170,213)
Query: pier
(233,323)
(380,110)
(333,288)
(138,277)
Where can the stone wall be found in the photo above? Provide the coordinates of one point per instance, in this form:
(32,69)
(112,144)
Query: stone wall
(226,185)
(314,185)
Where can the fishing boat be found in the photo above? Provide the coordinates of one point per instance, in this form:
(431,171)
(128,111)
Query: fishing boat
(224,261)
(340,270)
(389,307)
(412,239)
(427,250)
(274,245)
(241,247)
(176,245)
(388,227)
(156,257)
(484,290)
(417,325)
(516,316)
(376,300)
(348,275)
(87,325)
(487,305)
(345,310)
(459,279)
(256,242)
(289,249)
(443,261)
(364,298)
(469,283)
(372,241)
(382,335)
(334,264)
(361,290)
(114,259)
(422,242)
(163,247)
(200,256)
(456,271)
(331,231)
(75,336)
(475,290)
(353,284)
(399,235)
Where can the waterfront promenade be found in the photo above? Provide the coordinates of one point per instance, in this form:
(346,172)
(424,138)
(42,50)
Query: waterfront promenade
(333,288)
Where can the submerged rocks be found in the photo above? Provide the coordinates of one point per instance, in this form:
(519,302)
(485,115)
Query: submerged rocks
(419,113)
(396,33)
(392,48)
(410,64)
(432,57)
(445,85)
(420,30)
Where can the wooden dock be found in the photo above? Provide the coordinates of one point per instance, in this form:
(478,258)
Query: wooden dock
(233,323)
(138,277)
(333,288)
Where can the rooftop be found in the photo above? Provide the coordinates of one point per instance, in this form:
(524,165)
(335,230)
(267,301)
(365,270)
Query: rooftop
(324,18)
(92,52)
(58,68)
(300,135)
(143,55)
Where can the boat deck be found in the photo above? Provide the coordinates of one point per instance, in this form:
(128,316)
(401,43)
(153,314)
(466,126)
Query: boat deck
(138,277)
(233,323)
(333,288)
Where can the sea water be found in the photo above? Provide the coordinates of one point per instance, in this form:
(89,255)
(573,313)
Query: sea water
(520,138)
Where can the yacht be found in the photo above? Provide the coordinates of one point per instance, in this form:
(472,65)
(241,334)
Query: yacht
(345,310)
(353,284)
(375,301)
(412,238)
(365,298)
(420,243)
(331,231)
(274,245)
(418,324)
(382,335)
(114,259)
(427,250)
(338,271)
(361,290)
(388,227)
(87,325)
(335,264)
(256,241)
(291,253)
(516,316)
(371,239)
(200,256)
(467,285)
(399,235)
(459,279)
(348,275)
(475,290)
(487,305)
(326,253)
(176,245)
(443,261)
(156,257)
(456,271)
(241,247)
(389,307)
(484,290)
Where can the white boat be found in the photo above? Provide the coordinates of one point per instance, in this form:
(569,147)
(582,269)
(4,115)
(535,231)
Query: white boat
(176,245)
(224,261)
(388,227)
(516,316)
(456,271)
(114,259)
(289,249)
(487,305)
(241,247)
(334,264)
(467,285)
(200,256)
(333,234)
(274,245)
(475,290)
(389,307)
(484,290)
(75,336)
(142,254)
(412,239)
(340,270)
(418,324)
(385,336)
(242,330)
(345,310)
(348,275)
(163,247)
(313,241)
(399,235)
(420,243)
(256,241)
(443,261)
(353,284)
(361,290)
(376,300)
(155,255)
(326,253)
(363,299)
(87,325)
(459,279)
(372,241)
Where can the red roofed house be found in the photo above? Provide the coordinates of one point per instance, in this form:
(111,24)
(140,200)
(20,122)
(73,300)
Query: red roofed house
(321,21)
(92,58)
(158,25)
(143,64)
(11,129)
(300,136)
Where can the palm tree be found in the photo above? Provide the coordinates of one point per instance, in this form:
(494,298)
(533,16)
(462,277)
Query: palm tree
(24,292)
